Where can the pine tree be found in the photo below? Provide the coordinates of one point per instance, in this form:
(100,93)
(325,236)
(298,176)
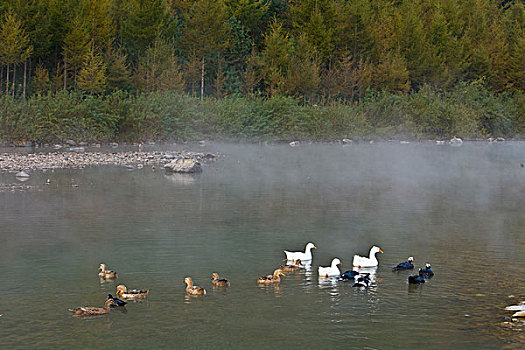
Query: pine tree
(14,46)
(118,72)
(206,32)
(276,56)
(92,77)
(75,49)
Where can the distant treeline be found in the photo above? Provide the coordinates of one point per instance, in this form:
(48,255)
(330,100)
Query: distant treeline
(469,111)
(343,53)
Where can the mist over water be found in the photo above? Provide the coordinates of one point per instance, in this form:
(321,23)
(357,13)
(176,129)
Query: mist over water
(459,208)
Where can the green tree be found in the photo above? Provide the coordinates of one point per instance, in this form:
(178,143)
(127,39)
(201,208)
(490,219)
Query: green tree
(141,24)
(303,76)
(118,73)
(92,77)
(14,46)
(75,49)
(276,57)
(206,32)
(159,69)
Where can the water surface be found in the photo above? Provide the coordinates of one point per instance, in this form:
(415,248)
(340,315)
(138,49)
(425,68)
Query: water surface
(459,208)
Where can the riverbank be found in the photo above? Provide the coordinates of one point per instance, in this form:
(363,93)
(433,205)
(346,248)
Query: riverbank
(469,111)
(15,162)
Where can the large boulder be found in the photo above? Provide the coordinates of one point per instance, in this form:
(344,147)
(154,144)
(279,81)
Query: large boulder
(183,165)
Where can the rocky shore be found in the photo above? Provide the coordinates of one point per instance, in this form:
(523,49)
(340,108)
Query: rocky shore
(28,162)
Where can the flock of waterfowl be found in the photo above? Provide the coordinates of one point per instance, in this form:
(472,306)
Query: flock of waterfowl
(295,261)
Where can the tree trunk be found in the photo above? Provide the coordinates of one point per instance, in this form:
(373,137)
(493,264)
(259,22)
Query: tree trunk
(65,75)
(7,81)
(14,79)
(25,80)
(202,78)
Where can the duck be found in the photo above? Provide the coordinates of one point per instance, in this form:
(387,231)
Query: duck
(92,310)
(105,273)
(417,279)
(193,290)
(427,272)
(371,261)
(307,255)
(125,293)
(456,141)
(275,278)
(362,281)
(348,275)
(405,265)
(219,282)
(333,270)
(117,301)
(290,268)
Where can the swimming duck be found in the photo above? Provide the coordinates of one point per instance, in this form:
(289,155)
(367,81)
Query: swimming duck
(348,275)
(417,279)
(333,270)
(124,293)
(275,278)
(427,272)
(406,265)
(105,273)
(307,255)
(371,261)
(219,282)
(361,281)
(290,268)
(193,290)
(117,301)
(92,310)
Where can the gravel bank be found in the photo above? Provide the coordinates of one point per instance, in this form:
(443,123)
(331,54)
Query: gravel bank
(15,162)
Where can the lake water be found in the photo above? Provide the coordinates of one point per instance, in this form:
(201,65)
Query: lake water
(462,209)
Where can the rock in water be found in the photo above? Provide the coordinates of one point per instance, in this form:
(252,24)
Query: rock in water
(22,174)
(184,165)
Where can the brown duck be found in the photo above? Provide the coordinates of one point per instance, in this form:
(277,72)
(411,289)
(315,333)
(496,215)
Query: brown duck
(126,293)
(193,290)
(92,310)
(105,273)
(219,282)
(275,278)
(290,268)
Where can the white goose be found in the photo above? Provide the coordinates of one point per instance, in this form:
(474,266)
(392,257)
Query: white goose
(306,256)
(371,261)
(330,271)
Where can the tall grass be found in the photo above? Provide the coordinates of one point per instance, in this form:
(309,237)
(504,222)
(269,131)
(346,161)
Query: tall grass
(468,111)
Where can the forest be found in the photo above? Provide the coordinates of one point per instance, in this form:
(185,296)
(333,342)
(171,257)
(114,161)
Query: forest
(101,70)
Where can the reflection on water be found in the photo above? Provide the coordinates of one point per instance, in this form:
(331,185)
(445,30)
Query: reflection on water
(461,209)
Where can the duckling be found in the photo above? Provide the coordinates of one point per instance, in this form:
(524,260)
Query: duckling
(427,272)
(219,282)
(406,265)
(290,268)
(92,310)
(417,279)
(275,278)
(124,293)
(194,290)
(348,275)
(117,301)
(105,273)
